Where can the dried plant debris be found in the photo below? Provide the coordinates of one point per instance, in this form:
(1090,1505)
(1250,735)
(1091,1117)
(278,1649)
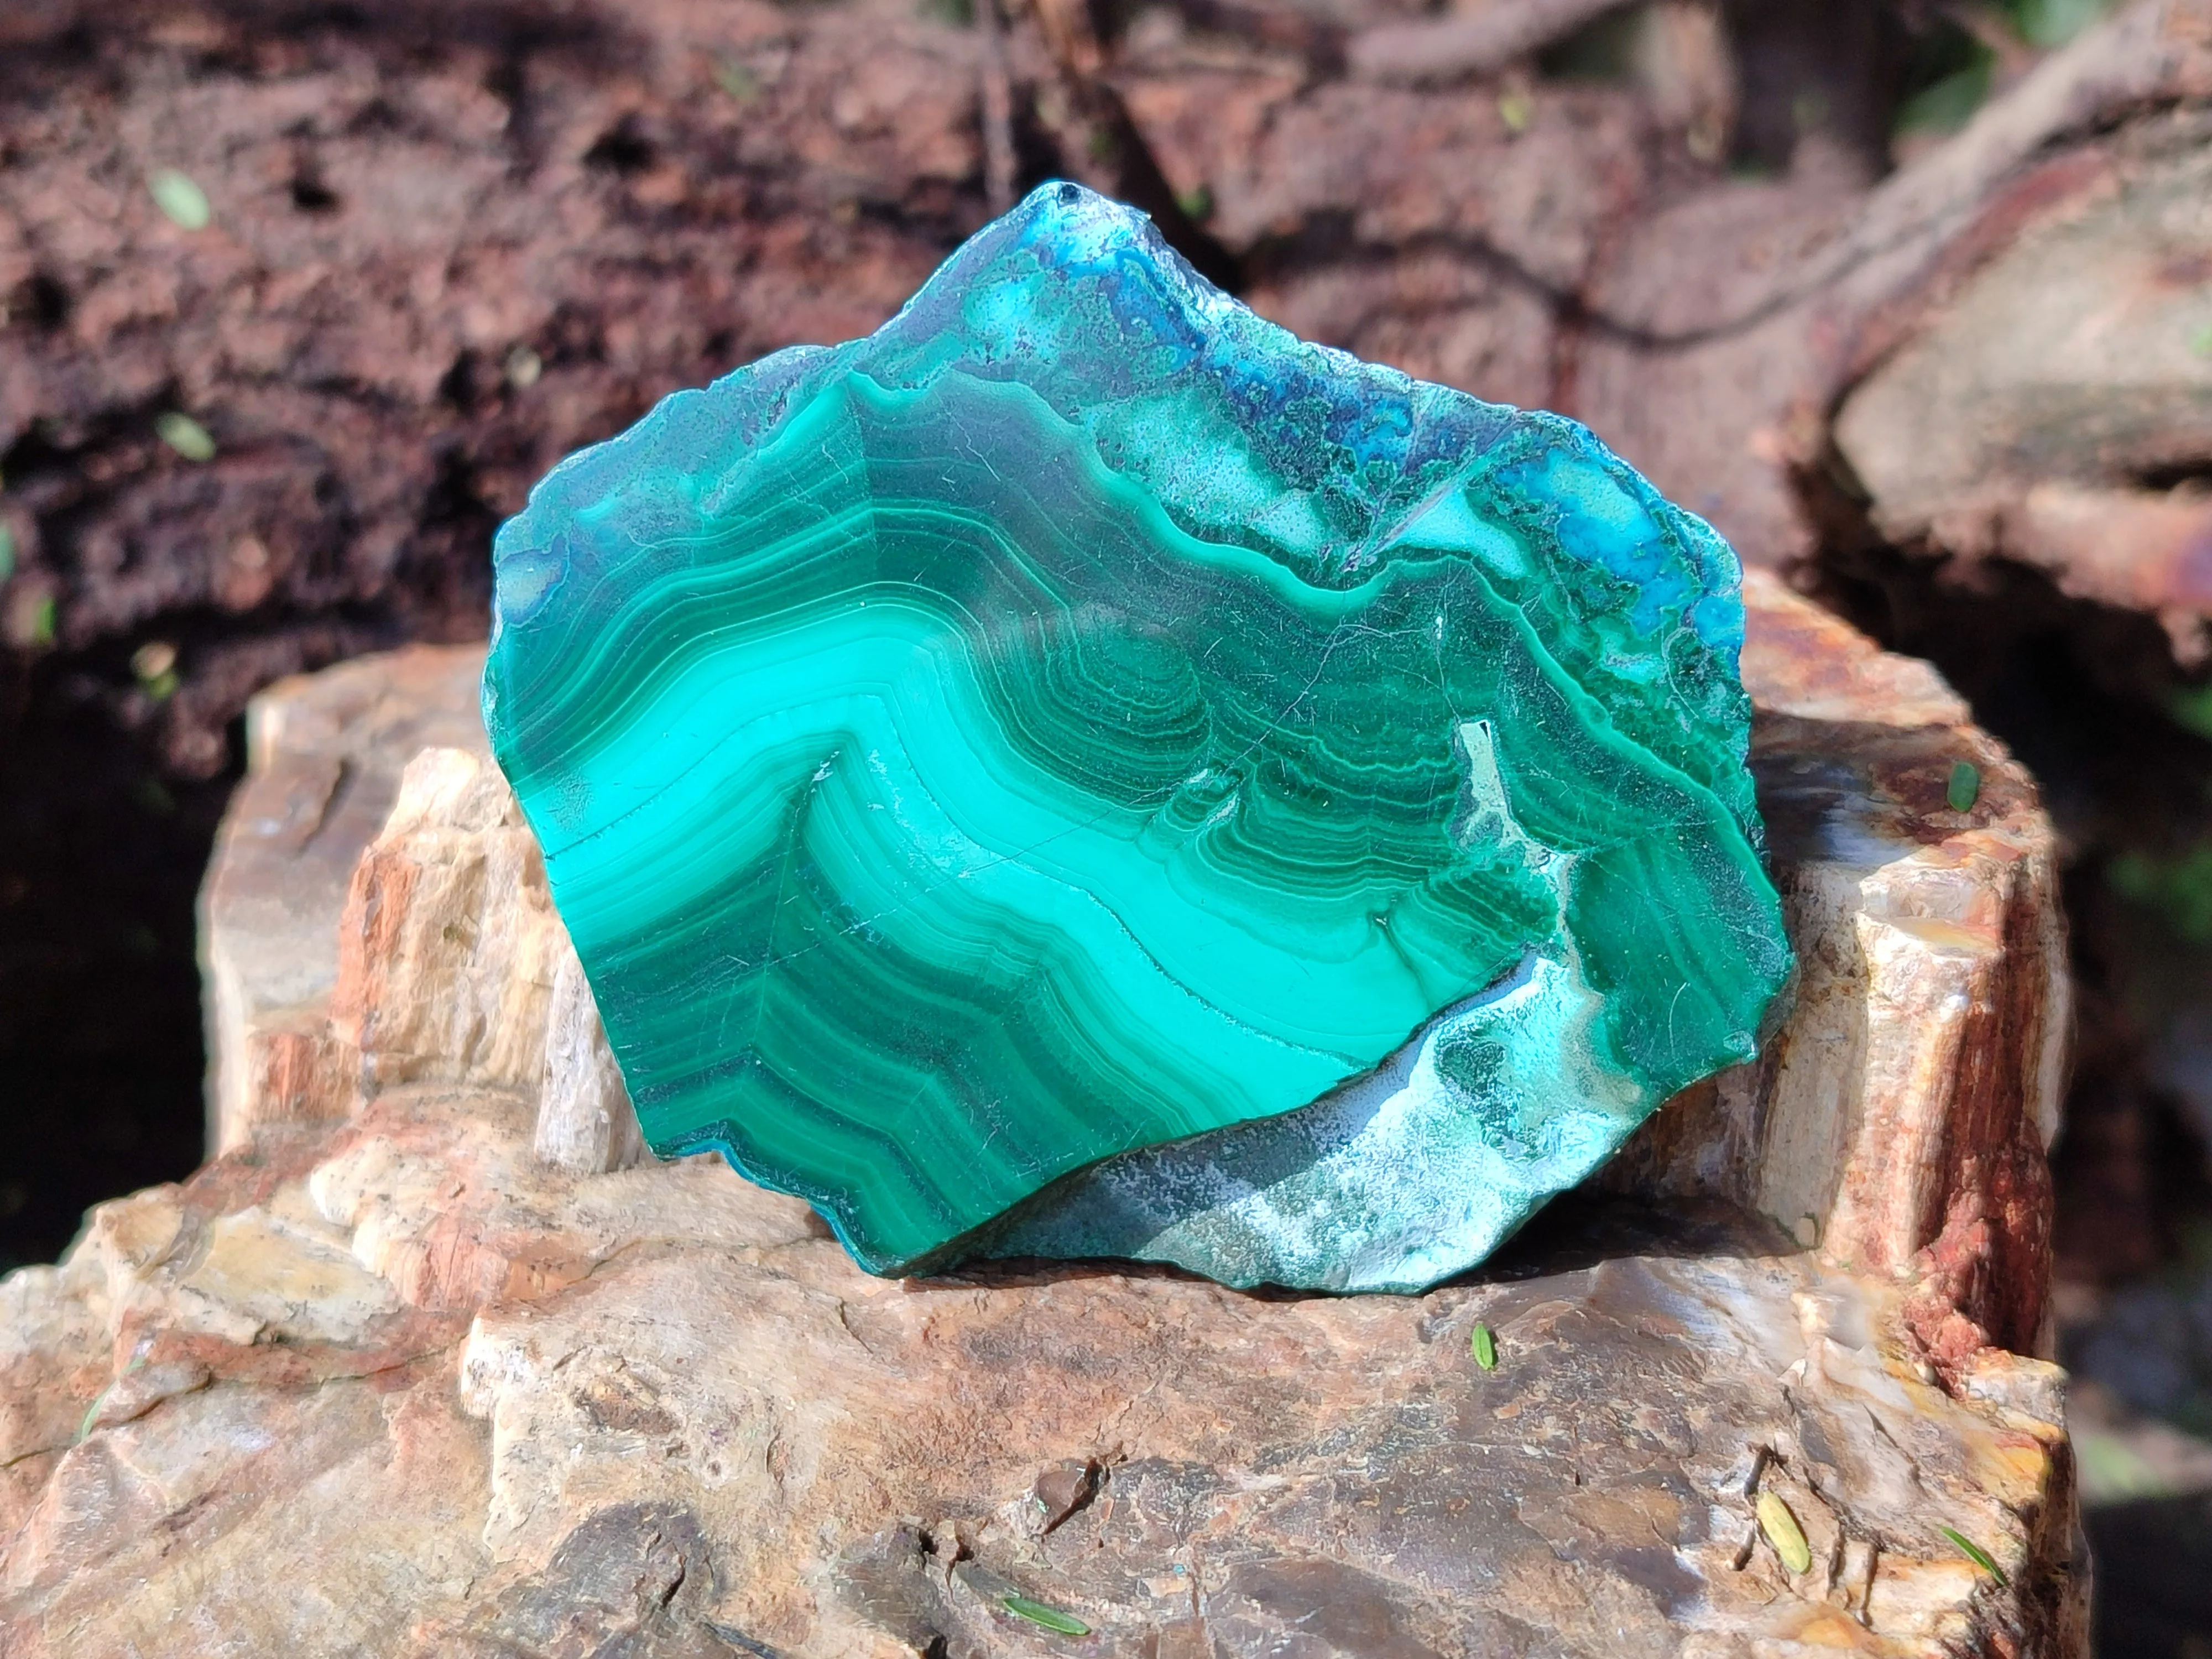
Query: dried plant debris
(1783,1531)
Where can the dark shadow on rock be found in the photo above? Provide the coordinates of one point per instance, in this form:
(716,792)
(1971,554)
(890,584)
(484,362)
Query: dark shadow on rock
(1574,1232)
(100,1048)
(1579,1230)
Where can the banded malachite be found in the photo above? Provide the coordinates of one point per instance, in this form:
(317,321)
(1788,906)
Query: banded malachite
(997,771)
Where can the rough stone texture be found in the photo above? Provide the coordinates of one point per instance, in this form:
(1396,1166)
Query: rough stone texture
(585,1121)
(2074,381)
(448,946)
(376,913)
(682,1417)
(1915,1089)
(324,761)
(402,202)
(401,1382)
(450,243)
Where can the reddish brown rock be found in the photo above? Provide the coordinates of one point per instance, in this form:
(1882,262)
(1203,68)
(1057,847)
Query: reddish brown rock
(683,1421)
(446,249)
(439,258)
(2074,381)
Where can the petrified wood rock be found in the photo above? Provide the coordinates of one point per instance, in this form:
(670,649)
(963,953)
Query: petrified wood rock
(324,760)
(398,1382)
(2074,381)
(1911,1095)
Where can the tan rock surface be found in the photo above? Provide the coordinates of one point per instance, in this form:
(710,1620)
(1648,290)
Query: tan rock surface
(324,756)
(448,945)
(440,1376)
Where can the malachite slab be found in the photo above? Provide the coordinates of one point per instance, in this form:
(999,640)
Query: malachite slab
(1081,771)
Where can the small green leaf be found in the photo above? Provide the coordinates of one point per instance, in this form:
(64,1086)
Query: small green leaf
(1782,1532)
(41,630)
(1517,110)
(734,78)
(180,198)
(84,1427)
(185,435)
(6,552)
(1063,1624)
(1965,787)
(2200,341)
(1484,1345)
(1975,1553)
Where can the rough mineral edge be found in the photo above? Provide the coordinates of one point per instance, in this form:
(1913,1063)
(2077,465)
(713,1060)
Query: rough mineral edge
(435,956)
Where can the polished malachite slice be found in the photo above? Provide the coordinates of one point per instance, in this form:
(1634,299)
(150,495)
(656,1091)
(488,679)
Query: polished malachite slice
(996,772)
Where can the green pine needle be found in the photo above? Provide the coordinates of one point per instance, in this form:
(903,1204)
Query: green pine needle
(1062,1624)
(84,1428)
(1975,1553)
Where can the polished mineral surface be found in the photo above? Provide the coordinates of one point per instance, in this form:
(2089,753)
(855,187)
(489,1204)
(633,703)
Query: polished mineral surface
(1080,724)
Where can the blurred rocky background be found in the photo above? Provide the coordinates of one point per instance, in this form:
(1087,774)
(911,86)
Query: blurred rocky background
(1912,298)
